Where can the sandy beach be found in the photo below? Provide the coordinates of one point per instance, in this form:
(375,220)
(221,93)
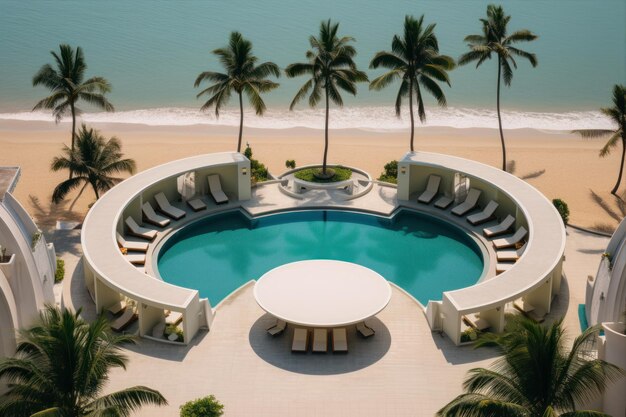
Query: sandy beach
(559,164)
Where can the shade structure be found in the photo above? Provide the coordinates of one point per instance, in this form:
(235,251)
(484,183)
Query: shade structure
(322,293)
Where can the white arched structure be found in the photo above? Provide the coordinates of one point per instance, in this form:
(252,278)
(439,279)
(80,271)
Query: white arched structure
(536,276)
(27,272)
(109,277)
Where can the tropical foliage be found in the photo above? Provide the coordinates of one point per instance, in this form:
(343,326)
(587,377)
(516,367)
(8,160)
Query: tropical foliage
(93,162)
(414,59)
(617,114)
(495,39)
(390,173)
(331,69)
(310,174)
(61,366)
(259,172)
(202,407)
(536,376)
(68,85)
(242,76)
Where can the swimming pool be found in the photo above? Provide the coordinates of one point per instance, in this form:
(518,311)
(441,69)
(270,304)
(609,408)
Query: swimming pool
(419,253)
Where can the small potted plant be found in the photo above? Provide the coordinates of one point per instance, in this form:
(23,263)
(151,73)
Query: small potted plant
(4,258)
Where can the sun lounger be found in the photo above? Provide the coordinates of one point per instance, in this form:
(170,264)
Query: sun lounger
(173,318)
(340,340)
(530,311)
(514,239)
(159,330)
(364,330)
(300,340)
(117,308)
(151,217)
(510,254)
(136,246)
(280,327)
(485,215)
(196,204)
(124,320)
(501,228)
(475,322)
(136,259)
(320,341)
(164,206)
(470,202)
(523,306)
(136,230)
(215,188)
(503,266)
(443,202)
(432,188)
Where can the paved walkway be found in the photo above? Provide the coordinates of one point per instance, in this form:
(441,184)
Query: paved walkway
(405,370)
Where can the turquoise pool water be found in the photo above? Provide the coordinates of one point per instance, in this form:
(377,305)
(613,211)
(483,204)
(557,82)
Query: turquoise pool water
(421,254)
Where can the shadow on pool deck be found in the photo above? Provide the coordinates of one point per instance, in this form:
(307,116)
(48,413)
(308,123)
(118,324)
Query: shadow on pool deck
(277,350)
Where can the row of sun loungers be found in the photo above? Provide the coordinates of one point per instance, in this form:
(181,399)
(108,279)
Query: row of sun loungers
(300,342)
(487,214)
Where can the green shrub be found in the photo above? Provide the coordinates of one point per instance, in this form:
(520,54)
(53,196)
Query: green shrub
(172,328)
(202,407)
(561,207)
(290,163)
(59,274)
(259,172)
(390,173)
(341,174)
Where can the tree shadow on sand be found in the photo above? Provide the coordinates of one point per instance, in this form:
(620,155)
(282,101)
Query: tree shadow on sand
(47,215)
(615,211)
(511,167)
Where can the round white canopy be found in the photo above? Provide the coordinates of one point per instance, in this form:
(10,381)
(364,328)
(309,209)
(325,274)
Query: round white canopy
(322,293)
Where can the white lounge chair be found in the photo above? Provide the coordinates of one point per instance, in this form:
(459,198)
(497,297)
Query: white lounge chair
(280,327)
(510,254)
(166,208)
(523,306)
(501,228)
(364,329)
(136,230)
(129,245)
(470,202)
(151,217)
(320,341)
(476,322)
(340,340)
(124,320)
(215,189)
(136,259)
(196,204)
(503,266)
(530,311)
(443,202)
(300,340)
(485,215)
(159,330)
(117,308)
(432,188)
(509,241)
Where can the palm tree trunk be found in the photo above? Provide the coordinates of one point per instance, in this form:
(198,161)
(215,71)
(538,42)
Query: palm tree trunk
(411,111)
(240,122)
(95,189)
(325,136)
(500,118)
(73,135)
(621,169)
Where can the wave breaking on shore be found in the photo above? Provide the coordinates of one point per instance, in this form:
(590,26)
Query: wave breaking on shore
(367,118)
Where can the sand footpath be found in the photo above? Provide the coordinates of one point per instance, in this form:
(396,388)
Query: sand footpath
(559,164)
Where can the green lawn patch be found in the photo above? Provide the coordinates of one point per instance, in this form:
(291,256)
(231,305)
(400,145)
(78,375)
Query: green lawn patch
(341,174)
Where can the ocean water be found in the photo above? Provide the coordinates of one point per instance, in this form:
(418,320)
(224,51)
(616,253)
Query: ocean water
(423,256)
(151,52)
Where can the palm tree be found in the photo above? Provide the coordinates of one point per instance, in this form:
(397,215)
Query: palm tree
(68,86)
(61,365)
(242,76)
(414,59)
(93,161)
(536,377)
(495,39)
(617,114)
(331,68)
